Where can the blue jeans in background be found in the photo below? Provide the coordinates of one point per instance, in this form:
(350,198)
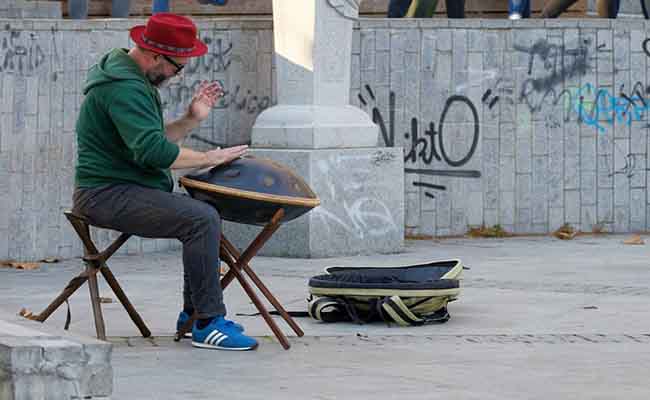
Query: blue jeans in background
(425,8)
(605,8)
(519,7)
(159,6)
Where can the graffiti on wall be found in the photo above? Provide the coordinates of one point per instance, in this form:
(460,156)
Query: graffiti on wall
(432,145)
(218,59)
(599,107)
(587,104)
(174,95)
(20,53)
(558,62)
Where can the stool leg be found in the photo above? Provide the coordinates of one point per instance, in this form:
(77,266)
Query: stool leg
(267,293)
(74,284)
(187,327)
(94,299)
(255,246)
(258,303)
(117,289)
(100,259)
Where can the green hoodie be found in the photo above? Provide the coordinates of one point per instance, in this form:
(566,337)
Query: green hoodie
(120,130)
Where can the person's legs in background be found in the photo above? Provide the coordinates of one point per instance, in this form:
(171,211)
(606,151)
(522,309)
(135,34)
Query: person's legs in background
(455,8)
(518,9)
(398,8)
(159,6)
(607,8)
(553,8)
(422,9)
(78,9)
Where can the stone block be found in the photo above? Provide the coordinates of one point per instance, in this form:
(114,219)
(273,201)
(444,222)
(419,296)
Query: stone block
(314,127)
(51,366)
(362,204)
(507,208)
(572,206)
(556,218)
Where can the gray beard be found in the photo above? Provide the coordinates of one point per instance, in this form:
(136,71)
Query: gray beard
(157,80)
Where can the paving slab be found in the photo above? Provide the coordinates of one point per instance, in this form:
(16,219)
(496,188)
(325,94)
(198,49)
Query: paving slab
(537,318)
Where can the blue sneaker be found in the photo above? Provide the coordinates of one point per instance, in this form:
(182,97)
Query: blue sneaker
(221,334)
(183,317)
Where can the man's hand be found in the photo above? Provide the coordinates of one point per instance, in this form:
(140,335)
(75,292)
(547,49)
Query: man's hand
(221,156)
(205,97)
(188,158)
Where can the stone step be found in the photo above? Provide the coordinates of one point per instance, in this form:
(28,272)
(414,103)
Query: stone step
(22,9)
(53,365)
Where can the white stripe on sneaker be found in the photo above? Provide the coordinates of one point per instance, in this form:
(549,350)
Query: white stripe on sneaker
(216,337)
(208,346)
(210,336)
(224,337)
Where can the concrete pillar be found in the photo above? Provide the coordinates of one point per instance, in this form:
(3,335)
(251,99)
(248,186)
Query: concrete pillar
(313,50)
(333,145)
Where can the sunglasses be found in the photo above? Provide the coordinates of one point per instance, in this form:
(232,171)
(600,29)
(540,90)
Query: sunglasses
(179,67)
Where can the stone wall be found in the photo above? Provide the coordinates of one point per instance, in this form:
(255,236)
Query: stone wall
(527,124)
(43,65)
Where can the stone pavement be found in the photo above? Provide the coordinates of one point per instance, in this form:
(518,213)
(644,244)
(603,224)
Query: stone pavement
(538,318)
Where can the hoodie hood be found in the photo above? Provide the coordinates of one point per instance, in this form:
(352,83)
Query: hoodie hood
(114,66)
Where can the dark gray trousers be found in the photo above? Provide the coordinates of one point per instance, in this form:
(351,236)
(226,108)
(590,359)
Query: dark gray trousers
(153,213)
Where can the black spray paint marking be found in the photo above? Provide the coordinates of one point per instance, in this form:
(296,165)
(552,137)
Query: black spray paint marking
(486,96)
(217,60)
(553,58)
(444,172)
(21,56)
(630,168)
(430,186)
(427,148)
(645,47)
(377,118)
(382,157)
(248,102)
(450,101)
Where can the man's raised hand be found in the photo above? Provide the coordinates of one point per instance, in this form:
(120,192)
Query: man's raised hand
(204,99)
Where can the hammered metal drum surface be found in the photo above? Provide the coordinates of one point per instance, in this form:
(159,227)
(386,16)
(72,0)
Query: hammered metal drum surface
(250,190)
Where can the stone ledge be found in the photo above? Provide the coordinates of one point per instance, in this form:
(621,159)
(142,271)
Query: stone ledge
(35,365)
(32,9)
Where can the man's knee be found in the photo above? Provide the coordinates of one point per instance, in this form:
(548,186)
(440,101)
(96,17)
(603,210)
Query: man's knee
(205,217)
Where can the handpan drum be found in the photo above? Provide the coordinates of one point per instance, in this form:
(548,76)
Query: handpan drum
(250,190)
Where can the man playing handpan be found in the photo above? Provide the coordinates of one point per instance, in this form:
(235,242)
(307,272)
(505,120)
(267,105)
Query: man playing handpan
(125,152)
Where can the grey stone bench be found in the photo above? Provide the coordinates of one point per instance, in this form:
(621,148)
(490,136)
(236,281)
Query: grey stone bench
(56,365)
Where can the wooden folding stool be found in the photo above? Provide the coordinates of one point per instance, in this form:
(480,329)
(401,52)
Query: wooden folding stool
(95,262)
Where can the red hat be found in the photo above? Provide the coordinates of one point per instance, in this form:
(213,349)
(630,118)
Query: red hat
(169,34)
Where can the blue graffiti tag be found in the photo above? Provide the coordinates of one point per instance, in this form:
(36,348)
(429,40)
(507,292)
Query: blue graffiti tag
(606,107)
